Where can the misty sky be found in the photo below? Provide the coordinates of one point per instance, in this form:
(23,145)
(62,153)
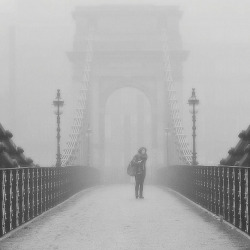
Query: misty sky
(216,34)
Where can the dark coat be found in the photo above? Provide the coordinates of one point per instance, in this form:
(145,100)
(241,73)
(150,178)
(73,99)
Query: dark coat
(139,161)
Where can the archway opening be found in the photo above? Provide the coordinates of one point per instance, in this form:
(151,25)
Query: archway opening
(128,124)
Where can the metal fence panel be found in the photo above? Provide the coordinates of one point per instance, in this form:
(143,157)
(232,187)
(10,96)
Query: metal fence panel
(28,192)
(223,190)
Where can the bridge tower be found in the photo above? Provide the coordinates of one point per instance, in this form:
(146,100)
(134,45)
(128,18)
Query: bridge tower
(127,46)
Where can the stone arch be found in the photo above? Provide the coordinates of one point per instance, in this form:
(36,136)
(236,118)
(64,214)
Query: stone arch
(127,127)
(108,87)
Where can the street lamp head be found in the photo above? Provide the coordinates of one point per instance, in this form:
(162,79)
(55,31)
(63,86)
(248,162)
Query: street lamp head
(58,103)
(193,100)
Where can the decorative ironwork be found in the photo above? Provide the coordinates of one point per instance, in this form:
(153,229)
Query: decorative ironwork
(33,194)
(72,154)
(246,197)
(223,190)
(10,200)
(219,191)
(182,148)
(239,197)
(17,199)
(3,201)
(28,195)
(28,192)
(23,197)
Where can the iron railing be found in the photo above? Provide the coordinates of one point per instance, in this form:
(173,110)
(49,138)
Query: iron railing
(28,192)
(223,190)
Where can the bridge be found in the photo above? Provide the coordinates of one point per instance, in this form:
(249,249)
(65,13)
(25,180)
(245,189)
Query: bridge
(130,58)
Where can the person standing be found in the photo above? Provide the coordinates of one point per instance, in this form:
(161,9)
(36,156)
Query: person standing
(139,161)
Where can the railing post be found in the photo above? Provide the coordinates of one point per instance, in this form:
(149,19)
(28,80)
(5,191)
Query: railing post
(10,198)
(28,195)
(220,191)
(34,184)
(38,191)
(243,200)
(3,202)
(204,187)
(227,197)
(32,202)
(246,216)
(45,189)
(207,191)
(17,208)
(54,187)
(215,190)
(240,198)
(23,196)
(231,194)
(247,178)
(211,185)
(41,191)
(200,185)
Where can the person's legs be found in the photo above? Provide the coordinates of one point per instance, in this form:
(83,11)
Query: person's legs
(141,190)
(136,186)
(141,187)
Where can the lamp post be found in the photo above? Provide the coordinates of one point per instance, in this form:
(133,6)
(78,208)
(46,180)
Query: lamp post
(88,133)
(58,103)
(193,101)
(167,133)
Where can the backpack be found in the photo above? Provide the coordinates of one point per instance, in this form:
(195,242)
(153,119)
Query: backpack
(131,169)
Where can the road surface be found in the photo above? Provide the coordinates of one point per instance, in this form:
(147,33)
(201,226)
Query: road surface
(110,218)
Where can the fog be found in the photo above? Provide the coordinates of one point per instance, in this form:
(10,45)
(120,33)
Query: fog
(215,33)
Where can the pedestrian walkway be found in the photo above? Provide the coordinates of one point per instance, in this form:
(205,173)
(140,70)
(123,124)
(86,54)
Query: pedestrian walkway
(110,218)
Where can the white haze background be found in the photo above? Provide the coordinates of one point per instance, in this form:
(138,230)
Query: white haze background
(216,34)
